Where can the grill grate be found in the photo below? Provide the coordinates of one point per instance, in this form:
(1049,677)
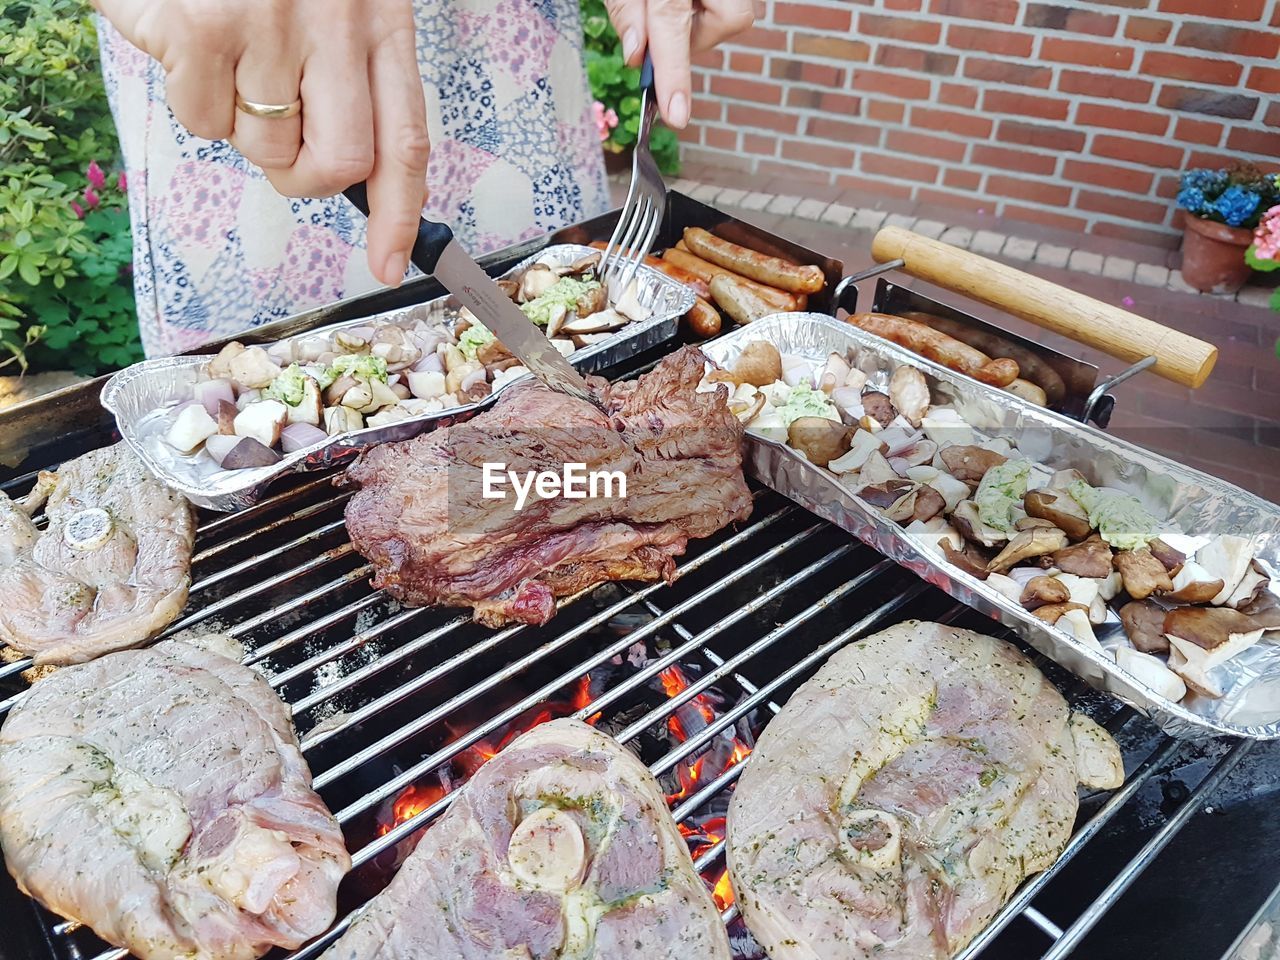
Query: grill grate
(385,697)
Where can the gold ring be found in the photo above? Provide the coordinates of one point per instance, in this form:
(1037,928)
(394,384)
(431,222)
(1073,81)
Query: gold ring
(269,111)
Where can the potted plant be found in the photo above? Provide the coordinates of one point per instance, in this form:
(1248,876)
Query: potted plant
(1223,208)
(616,88)
(1264,254)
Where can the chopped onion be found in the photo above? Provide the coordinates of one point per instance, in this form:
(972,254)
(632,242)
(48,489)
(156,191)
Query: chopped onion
(219,445)
(297,436)
(212,392)
(427,342)
(471,379)
(795,369)
(429,362)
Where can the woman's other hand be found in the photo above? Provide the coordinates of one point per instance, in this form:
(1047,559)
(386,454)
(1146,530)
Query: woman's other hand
(353,64)
(674,30)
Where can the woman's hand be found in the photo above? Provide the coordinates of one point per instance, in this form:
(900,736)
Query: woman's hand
(674,30)
(354,65)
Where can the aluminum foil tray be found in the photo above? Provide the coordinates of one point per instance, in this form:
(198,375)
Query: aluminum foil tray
(139,396)
(1194,501)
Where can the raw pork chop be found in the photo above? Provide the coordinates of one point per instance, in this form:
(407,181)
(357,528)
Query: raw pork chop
(903,793)
(559,847)
(111,568)
(159,797)
(420,516)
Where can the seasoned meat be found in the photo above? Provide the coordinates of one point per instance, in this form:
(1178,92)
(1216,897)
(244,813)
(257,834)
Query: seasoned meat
(159,797)
(560,846)
(902,794)
(421,516)
(110,569)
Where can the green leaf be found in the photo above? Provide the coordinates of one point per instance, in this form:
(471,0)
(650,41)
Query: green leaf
(1265,266)
(22,238)
(8,265)
(29,271)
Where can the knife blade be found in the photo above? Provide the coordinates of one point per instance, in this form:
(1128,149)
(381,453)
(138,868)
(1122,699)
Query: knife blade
(437,252)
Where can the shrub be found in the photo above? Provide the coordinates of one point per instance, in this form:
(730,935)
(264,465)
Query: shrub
(65,291)
(1236,196)
(616,87)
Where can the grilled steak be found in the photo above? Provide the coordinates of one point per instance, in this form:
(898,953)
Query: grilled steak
(422,518)
(560,846)
(159,797)
(109,570)
(903,793)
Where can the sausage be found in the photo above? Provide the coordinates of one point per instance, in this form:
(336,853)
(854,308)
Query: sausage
(1028,391)
(739,299)
(696,283)
(938,347)
(703,319)
(753,265)
(781,301)
(741,234)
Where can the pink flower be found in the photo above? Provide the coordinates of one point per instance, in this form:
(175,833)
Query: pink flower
(1128,301)
(605,119)
(77,210)
(611,118)
(1267,236)
(91,199)
(97,179)
(122,182)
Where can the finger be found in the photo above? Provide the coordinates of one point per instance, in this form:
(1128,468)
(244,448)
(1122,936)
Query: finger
(337,122)
(202,95)
(716,21)
(669,24)
(400,152)
(268,77)
(627,17)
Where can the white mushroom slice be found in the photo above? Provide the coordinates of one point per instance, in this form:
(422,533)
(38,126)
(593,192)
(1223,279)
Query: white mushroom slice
(87,529)
(1185,544)
(943,425)
(253,368)
(1098,761)
(861,446)
(261,421)
(909,392)
(871,841)
(1109,587)
(796,369)
(547,850)
(834,373)
(855,379)
(849,400)
(388,415)
(1076,623)
(599,322)
(923,473)
(953,491)
(629,304)
(1253,578)
(931,534)
(1083,590)
(426,385)
(566,347)
(555,320)
(536,281)
(1151,672)
(1191,673)
(876,469)
(1226,558)
(967,520)
(771,426)
(1194,584)
(1006,586)
(190,428)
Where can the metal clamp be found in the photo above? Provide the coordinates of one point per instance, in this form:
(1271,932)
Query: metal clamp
(1101,389)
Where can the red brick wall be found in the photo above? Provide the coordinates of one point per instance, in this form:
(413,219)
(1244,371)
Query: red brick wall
(1074,114)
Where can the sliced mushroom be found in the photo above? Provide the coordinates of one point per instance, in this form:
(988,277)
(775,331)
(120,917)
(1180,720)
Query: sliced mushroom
(943,425)
(1171,559)
(220,366)
(970,463)
(600,322)
(819,439)
(928,503)
(580,266)
(1142,573)
(885,495)
(1202,638)
(1226,558)
(1090,558)
(1006,586)
(747,409)
(861,446)
(1264,610)
(1053,612)
(1042,590)
(967,520)
(1152,672)
(971,559)
(876,469)
(1029,543)
(592,301)
(1254,581)
(1060,510)
(253,368)
(834,373)
(555,320)
(535,281)
(915,454)
(1144,626)
(1194,584)
(879,407)
(909,393)
(510,287)
(395,346)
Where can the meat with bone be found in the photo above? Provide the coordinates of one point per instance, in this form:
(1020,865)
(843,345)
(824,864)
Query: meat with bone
(421,516)
(560,846)
(159,797)
(110,569)
(903,793)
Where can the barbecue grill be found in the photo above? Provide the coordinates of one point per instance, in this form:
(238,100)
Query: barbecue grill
(396,706)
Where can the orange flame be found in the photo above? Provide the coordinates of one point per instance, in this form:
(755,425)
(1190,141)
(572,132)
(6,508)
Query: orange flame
(582,698)
(722,892)
(412,801)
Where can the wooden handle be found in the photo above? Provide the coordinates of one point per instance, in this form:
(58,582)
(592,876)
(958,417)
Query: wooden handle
(1181,358)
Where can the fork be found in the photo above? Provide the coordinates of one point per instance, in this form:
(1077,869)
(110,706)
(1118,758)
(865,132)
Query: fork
(646,200)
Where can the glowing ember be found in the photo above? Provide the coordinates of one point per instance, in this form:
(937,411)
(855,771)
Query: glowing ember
(722,892)
(411,802)
(674,683)
(582,698)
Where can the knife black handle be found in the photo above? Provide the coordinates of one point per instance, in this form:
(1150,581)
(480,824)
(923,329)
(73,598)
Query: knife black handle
(432,237)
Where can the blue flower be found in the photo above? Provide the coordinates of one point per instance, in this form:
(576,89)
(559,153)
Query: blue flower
(1193,200)
(1236,206)
(1208,181)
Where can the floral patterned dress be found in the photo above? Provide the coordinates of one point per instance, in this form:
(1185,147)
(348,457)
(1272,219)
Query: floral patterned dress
(515,154)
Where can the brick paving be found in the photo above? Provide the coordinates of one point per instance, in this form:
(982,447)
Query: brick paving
(1230,427)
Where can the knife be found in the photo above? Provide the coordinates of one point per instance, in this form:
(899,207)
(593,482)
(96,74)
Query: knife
(437,252)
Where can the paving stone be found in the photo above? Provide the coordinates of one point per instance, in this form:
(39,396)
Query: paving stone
(870,219)
(783,205)
(960,237)
(680,183)
(755,201)
(932,229)
(987,242)
(1151,275)
(1052,255)
(810,209)
(900,220)
(838,214)
(1085,262)
(1019,248)
(731,197)
(1176,283)
(706,192)
(1118,268)
(1255,296)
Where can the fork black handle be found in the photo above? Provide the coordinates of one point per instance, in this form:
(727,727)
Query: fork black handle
(646,73)
(432,237)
